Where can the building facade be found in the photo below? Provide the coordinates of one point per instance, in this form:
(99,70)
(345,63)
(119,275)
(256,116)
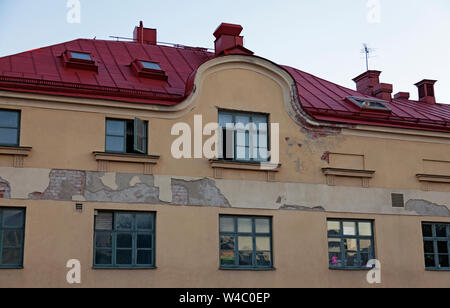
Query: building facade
(103,160)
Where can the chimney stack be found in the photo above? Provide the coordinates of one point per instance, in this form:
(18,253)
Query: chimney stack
(144,35)
(426,91)
(229,41)
(366,82)
(383,91)
(402,95)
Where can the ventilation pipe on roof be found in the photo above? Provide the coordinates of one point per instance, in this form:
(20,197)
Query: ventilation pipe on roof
(426,91)
(144,35)
(229,41)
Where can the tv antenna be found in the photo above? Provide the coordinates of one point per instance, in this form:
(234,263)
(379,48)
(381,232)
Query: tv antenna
(367,51)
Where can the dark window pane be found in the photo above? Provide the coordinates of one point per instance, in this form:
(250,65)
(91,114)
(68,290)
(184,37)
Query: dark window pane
(13,218)
(430,261)
(8,136)
(124,241)
(364,259)
(427,230)
(351,259)
(124,221)
(441,230)
(12,238)
(144,241)
(103,240)
(103,257)
(429,247)
(444,261)
(245,258)
(9,119)
(124,257)
(11,256)
(227,258)
(115,144)
(104,221)
(144,257)
(442,247)
(263,258)
(144,221)
(334,245)
(227,242)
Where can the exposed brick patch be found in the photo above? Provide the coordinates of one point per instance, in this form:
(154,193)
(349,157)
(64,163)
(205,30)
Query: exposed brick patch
(197,193)
(326,157)
(5,189)
(179,195)
(64,184)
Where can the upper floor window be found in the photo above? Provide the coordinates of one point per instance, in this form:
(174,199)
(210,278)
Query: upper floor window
(12,227)
(244,136)
(126,136)
(436,238)
(245,242)
(124,240)
(9,127)
(350,243)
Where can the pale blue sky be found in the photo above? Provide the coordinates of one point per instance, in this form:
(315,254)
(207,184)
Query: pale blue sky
(322,37)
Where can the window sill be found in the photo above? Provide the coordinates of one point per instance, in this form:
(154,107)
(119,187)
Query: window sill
(332,173)
(269,168)
(11,268)
(124,268)
(18,154)
(269,269)
(437,269)
(104,160)
(361,269)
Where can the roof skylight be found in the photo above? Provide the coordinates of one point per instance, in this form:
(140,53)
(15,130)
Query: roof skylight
(80,56)
(370,103)
(150,65)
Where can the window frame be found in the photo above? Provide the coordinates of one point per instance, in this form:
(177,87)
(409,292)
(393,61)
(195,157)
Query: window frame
(357,237)
(22,246)
(254,235)
(125,136)
(435,239)
(134,231)
(234,114)
(18,128)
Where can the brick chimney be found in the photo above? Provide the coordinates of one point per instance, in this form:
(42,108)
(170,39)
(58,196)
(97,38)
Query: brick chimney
(383,91)
(366,82)
(426,91)
(229,41)
(402,95)
(144,35)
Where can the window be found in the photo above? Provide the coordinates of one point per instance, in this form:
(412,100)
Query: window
(126,136)
(245,242)
(150,65)
(9,127)
(12,227)
(370,103)
(244,137)
(124,240)
(80,56)
(350,243)
(436,238)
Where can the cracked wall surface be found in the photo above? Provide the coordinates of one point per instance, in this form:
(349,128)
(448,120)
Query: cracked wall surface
(70,185)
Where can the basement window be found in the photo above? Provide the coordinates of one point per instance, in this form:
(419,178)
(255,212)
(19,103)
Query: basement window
(12,230)
(126,136)
(369,103)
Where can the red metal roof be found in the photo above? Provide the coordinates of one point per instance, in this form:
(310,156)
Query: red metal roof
(43,71)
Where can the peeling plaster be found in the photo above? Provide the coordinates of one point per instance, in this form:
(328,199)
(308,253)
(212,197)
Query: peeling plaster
(109,180)
(24,181)
(302,208)
(426,208)
(202,192)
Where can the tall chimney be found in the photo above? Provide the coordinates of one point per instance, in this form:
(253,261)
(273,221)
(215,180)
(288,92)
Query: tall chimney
(426,91)
(144,35)
(228,40)
(366,82)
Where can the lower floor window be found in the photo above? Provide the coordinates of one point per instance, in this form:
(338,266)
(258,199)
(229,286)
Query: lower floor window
(124,239)
(350,243)
(245,242)
(12,229)
(436,238)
